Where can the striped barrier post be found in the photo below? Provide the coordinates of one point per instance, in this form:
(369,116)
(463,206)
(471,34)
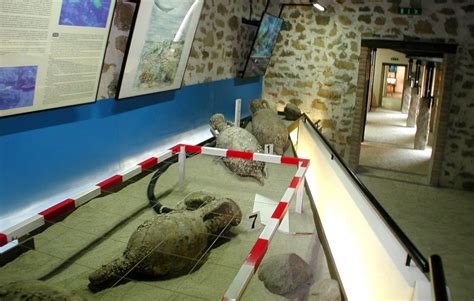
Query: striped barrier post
(256,254)
(67,206)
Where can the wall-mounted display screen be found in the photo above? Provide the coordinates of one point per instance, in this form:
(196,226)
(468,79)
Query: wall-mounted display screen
(263,45)
(159,48)
(51,52)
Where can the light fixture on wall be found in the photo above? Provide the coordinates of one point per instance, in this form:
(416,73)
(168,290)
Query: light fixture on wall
(319,6)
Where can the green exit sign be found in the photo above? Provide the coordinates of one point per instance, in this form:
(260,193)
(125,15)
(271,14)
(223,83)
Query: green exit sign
(409,11)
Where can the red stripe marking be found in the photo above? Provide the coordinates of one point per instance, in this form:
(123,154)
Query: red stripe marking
(280,210)
(148,163)
(58,210)
(3,239)
(257,253)
(176,148)
(238,154)
(193,149)
(294,182)
(289,160)
(110,182)
(304,162)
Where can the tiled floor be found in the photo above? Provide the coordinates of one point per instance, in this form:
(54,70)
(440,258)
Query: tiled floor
(388,144)
(438,221)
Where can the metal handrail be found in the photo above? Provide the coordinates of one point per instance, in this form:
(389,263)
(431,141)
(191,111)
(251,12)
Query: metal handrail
(409,247)
(438,282)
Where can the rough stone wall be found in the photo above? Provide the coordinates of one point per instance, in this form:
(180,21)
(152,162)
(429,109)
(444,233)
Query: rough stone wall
(315,66)
(458,163)
(222,43)
(119,33)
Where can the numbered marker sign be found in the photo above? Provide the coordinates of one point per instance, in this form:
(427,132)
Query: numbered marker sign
(269,149)
(252,221)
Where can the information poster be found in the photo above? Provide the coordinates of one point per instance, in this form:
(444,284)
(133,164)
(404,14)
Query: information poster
(161,41)
(51,52)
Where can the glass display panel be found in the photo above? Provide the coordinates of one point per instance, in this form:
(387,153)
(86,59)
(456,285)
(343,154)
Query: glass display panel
(159,49)
(262,48)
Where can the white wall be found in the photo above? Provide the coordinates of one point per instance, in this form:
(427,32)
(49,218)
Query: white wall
(400,79)
(389,57)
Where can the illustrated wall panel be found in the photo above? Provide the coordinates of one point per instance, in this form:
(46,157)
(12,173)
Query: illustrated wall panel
(163,33)
(220,47)
(51,53)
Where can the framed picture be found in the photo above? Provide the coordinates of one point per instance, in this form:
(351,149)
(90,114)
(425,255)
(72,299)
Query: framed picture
(159,47)
(56,60)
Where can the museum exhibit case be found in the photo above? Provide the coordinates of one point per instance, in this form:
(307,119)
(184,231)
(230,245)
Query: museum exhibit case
(220,240)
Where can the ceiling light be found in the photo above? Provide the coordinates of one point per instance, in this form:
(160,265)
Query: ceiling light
(319,6)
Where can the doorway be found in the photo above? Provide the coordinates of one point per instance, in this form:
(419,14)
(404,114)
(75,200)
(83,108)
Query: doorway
(386,143)
(393,83)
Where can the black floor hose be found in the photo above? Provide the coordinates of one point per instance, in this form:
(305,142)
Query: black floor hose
(162,167)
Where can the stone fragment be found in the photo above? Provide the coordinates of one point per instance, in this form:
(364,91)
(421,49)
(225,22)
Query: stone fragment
(399,21)
(344,20)
(282,274)
(121,43)
(347,65)
(365,18)
(296,101)
(239,139)
(299,27)
(233,23)
(322,20)
(325,290)
(379,10)
(319,105)
(292,112)
(329,94)
(423,27)
(268,127)
(123,15)
(222,10)
(35,290)
(380,21)
(451,26)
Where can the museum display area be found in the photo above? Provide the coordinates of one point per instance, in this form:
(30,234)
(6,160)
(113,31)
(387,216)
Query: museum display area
(181,150)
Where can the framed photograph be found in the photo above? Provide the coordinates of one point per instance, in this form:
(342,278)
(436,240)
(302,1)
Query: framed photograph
(51,53)
(159,47)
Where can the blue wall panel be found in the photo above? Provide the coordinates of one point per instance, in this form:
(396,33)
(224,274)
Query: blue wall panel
(43,154)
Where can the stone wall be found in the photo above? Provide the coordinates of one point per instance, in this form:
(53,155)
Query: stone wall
(222,42)
(315,66)
(458,162)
